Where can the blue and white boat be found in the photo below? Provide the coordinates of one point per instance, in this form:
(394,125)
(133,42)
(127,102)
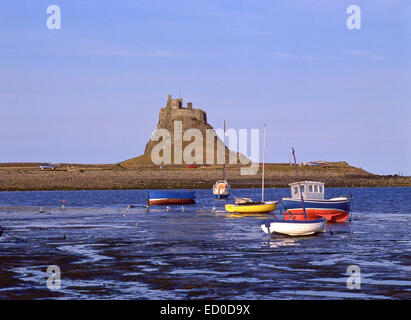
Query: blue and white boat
(333,210)
(169,197)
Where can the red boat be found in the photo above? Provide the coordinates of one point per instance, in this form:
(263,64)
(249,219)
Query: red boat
(170,197)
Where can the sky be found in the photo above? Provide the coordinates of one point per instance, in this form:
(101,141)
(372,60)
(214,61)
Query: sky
(91,91)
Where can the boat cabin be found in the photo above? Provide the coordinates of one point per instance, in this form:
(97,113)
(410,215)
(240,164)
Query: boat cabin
(311,190)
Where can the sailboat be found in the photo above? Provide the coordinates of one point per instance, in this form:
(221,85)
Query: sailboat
(246,205)
(294,227)
(221,189)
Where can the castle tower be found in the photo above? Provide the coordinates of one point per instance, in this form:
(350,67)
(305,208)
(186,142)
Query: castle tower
(174,103)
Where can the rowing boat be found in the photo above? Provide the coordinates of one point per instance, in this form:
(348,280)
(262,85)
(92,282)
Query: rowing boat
(166,197)
(294,227)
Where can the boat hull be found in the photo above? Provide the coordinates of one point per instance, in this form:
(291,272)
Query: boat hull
(333,210)
(154,202)
(159,197)
(252,208)
(294,227)
(222,196)
(221,189)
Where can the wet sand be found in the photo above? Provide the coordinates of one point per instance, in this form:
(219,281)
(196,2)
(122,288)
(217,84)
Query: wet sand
(105,250)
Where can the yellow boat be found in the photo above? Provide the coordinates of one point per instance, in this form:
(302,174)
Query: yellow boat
(254,207)
(246,205)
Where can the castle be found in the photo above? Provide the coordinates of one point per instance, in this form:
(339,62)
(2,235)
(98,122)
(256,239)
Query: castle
(190,118)
(174,109)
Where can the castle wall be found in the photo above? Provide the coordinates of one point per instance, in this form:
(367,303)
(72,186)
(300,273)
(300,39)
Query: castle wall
(190,113)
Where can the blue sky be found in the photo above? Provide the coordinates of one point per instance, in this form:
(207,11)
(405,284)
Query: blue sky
(91,92)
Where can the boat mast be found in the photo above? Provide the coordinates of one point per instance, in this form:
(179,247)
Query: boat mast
(224,178)
(262,180)
(299,185)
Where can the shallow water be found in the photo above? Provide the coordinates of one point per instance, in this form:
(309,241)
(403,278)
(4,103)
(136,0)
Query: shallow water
(106,251)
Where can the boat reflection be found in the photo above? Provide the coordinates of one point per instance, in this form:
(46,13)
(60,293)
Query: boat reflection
(339,227)
(257,215)
(276,242)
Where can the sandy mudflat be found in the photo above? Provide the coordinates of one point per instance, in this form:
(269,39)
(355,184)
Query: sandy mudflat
(84,177)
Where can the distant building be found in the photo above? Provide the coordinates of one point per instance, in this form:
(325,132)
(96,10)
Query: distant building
(175,108)
(316,163)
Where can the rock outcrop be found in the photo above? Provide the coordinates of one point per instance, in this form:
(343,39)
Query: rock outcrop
(177,120)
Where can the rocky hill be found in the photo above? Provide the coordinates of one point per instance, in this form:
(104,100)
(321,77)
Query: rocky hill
(177,120)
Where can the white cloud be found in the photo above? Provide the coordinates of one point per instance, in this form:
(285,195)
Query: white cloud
(366,54)
(286,55)
(137,53)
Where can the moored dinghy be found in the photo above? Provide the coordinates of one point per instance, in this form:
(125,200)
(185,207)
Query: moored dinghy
(294,227)
(221,189)
(170,197)
(252,207)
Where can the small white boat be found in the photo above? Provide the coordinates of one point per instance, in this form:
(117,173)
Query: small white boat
(221,189)
(294,227)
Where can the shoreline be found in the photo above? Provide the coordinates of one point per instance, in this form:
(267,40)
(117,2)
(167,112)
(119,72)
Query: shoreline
(116,177)
(267,187)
